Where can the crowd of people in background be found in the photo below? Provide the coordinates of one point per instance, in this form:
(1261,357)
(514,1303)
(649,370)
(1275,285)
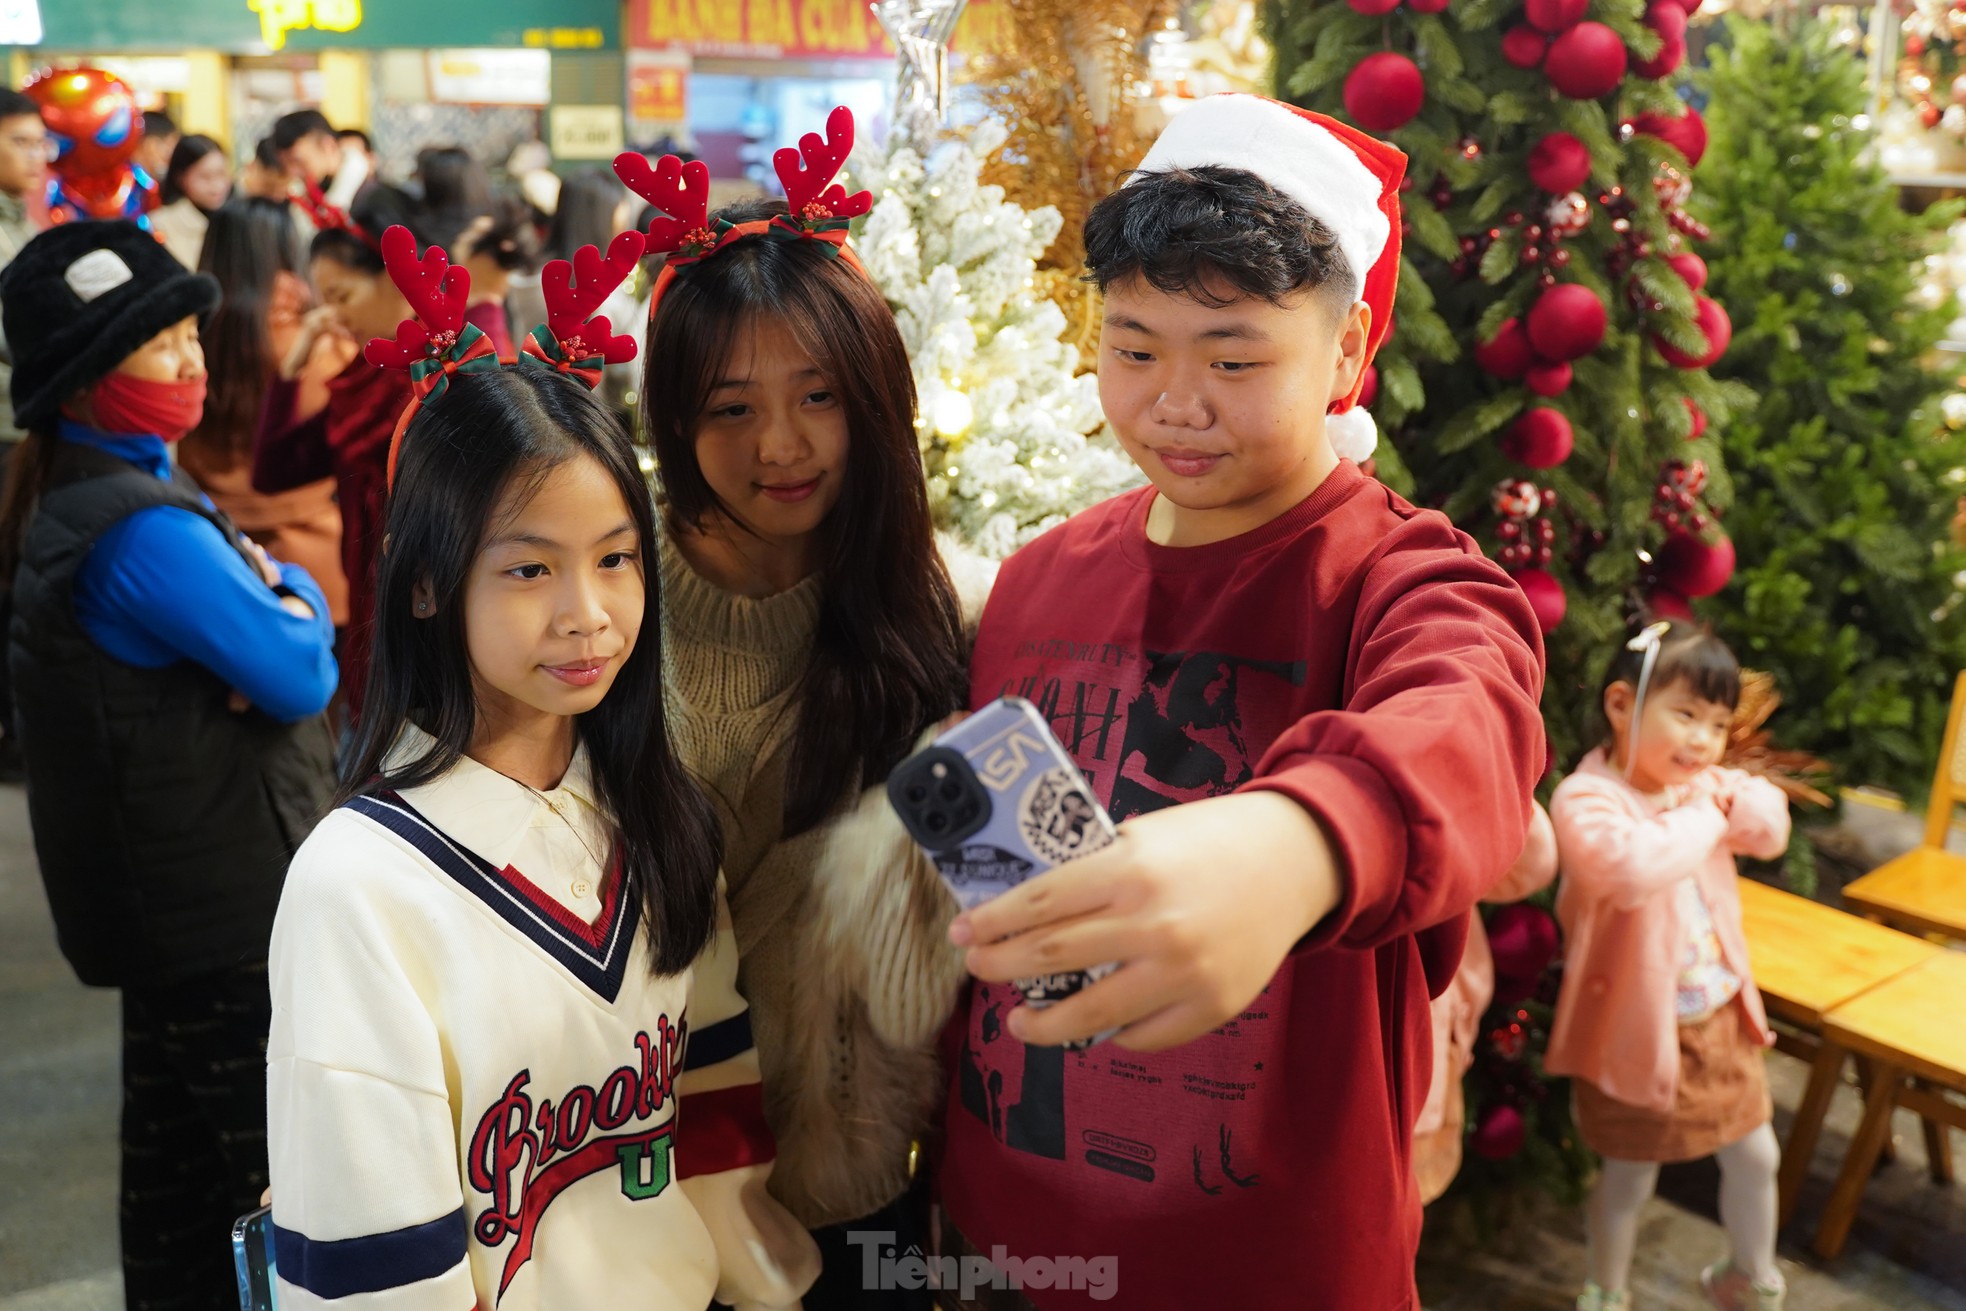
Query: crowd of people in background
(242,311)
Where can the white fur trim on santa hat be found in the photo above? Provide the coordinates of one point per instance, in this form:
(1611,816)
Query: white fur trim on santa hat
(1354,436)
(1292,154)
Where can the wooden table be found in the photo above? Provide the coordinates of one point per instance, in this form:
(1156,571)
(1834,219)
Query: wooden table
(1923,890)
(1913,1028)
(1809,959)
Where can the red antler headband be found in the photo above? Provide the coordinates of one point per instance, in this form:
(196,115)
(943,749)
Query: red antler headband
(820,209)
(438,343)
(327,216)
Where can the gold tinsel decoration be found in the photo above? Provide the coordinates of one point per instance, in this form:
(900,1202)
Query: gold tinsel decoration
(1749,745)
(1062,84)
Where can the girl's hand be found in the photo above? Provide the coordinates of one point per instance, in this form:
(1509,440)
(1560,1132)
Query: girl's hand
(268,571)
(316,323)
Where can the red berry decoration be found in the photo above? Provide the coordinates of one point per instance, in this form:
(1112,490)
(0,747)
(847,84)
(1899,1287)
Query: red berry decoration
(1699,417)
(1368,391)
(1384,92)
(1586,62)
(1686,133)
(1374,7)
(1672,53)
(1548,379)
(1664,603)
(1522,938)
(1542,438)
(1693,567)
(1555,16)
(1560,163)
(1524,46)
(1508,354)
(1690,267)
(1500,1134)
(1712,322)
(1667,19)
(1567,322)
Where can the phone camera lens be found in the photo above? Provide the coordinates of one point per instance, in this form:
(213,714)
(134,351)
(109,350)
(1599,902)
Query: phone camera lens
(917,794)
(950,790)
(935,822)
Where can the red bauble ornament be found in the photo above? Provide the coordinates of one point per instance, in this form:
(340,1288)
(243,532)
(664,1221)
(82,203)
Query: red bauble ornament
(1368,391)
(1586,62)
(1542,438)
(1546,598)
(1522,937)
(1560,163)
(1508,354)
(1567,322)
(1384,92)
(1500,1134)
(1664,603)
(1690,267)
(1713,323)
(1686,133)
(1548,379)
(1692,567)
(1672,53)
(1667,19)
(1523,46)
(1374,7)
(1699,417)
(1555,16)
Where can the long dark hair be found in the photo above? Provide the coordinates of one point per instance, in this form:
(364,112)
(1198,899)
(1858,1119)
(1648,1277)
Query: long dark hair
(379,209)
(888,655)
(188,151)
(488,434)
(249,243)
(585,213)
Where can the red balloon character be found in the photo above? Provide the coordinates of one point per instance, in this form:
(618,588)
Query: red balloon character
(94,123)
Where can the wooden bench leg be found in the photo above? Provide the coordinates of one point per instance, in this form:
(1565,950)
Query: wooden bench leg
(1824,1072)
(1938,1150)
(1880,1099)
(1866,1075)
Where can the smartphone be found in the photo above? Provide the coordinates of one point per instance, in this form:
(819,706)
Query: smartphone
(252,1259)
(995,801)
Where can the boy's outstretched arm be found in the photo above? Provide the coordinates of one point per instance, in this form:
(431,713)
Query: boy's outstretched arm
(1364,824)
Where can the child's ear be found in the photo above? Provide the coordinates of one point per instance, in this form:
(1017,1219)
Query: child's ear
(1353,329)
(424,599)
(1618,700)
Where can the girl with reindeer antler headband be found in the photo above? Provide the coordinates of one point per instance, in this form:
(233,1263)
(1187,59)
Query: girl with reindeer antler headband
(489,954)
(813,633)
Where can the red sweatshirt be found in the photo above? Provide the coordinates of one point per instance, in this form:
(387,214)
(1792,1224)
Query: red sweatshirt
(1363,658)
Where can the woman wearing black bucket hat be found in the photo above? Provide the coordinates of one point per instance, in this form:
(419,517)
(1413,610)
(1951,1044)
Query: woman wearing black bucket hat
(169,683)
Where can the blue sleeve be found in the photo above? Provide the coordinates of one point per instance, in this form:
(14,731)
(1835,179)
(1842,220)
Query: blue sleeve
(165,581)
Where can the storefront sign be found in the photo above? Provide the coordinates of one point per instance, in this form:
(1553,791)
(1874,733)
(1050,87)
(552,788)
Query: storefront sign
(760,29)
(279,17)
(491,77)
(255,26)
(786,29)
(658,87)
(585,131)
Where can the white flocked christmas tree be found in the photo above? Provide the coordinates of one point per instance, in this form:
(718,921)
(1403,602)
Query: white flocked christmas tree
(1011,431)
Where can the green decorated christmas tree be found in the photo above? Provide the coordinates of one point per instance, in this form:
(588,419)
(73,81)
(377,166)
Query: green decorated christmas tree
(1845,474)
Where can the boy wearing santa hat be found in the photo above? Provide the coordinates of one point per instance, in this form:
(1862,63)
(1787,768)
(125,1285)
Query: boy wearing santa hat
(1312,707)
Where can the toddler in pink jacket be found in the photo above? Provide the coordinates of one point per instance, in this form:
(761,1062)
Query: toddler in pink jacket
(1659,1022)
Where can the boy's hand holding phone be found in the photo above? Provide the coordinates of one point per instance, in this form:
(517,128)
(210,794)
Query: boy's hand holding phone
(1200,903)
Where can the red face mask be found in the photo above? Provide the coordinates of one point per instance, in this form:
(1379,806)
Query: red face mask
(126,404)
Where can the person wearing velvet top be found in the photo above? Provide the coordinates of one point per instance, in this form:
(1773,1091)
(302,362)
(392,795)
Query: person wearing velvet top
(170,680)
(348,439)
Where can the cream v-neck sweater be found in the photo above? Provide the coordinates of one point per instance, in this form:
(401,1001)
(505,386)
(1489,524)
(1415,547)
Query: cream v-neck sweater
(840,930)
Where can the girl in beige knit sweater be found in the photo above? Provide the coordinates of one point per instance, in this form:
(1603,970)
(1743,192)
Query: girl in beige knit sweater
(813,635)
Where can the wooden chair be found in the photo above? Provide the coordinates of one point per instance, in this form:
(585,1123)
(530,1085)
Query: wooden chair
(1808,959)
(1924,890)
(1909,1029)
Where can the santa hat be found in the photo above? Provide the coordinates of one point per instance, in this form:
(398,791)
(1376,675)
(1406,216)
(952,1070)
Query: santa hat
(1347,180)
